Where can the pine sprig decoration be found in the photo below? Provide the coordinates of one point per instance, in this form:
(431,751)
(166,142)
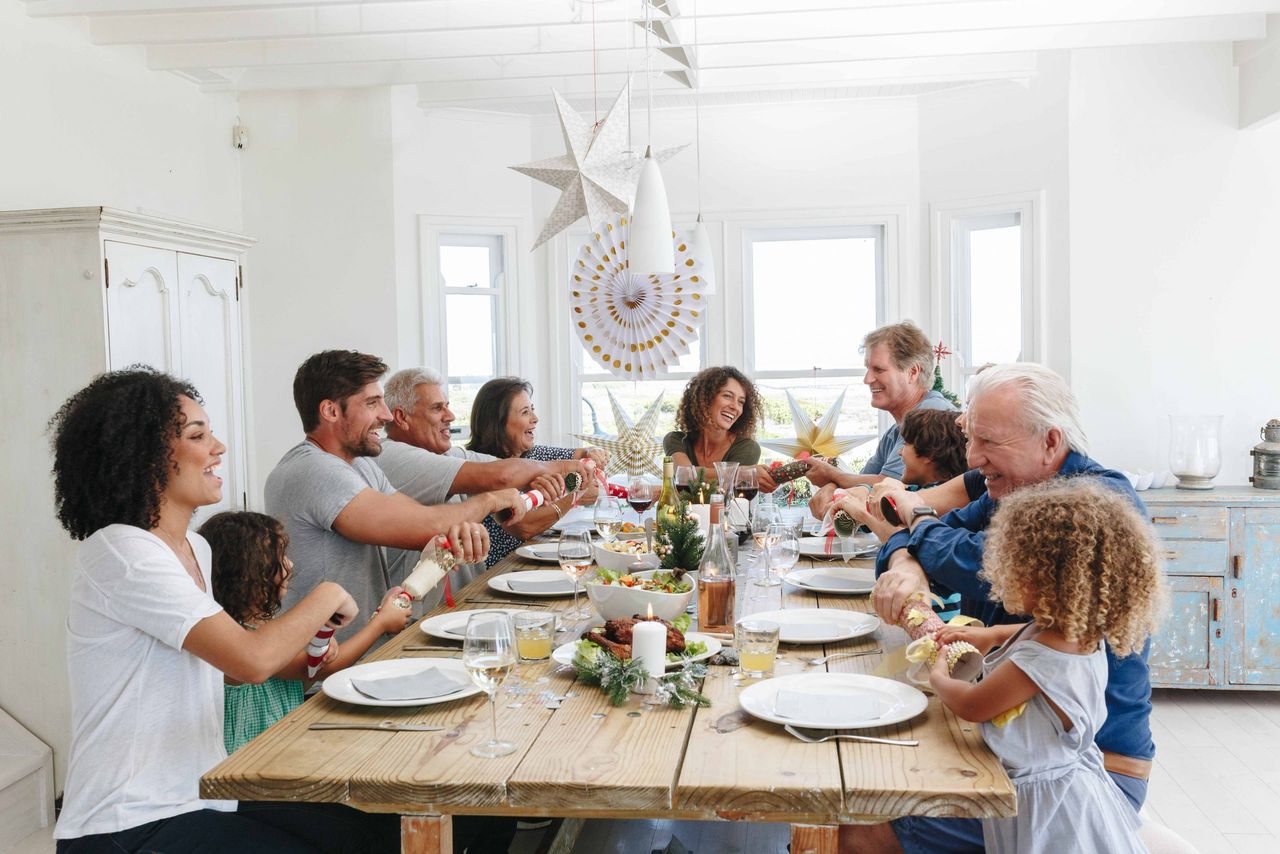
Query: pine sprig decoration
(679,541)
(681,688)
(615,677)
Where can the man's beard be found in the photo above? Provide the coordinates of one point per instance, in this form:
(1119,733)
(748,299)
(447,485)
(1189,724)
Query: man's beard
(365,446)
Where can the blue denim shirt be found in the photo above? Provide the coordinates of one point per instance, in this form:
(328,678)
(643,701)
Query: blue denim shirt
(950,550)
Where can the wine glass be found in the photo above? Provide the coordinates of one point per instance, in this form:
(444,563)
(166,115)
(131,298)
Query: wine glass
(685,477)
(766,517)
(748,487)
(785,551)
(608,517)
(574,553)
(489,654)
(641,493)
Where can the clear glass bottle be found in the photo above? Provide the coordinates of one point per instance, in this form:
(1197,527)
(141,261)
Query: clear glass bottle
(715,576)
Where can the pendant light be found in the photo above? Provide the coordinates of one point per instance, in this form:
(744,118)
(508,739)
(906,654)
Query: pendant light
(649,243)
(700,242)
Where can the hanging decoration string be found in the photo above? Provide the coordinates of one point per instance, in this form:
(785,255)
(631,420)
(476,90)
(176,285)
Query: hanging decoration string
(595,70)
(648,74)
(697,106)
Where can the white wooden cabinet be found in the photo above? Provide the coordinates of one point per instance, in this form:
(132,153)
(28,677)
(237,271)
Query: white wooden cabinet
(82,291)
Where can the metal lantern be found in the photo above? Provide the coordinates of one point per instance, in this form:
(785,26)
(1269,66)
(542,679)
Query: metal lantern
(1266,458)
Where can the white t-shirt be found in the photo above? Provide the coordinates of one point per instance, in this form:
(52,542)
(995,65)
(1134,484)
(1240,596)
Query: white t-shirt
(146,716)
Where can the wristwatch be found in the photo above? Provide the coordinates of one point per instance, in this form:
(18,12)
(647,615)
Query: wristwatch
(921,512)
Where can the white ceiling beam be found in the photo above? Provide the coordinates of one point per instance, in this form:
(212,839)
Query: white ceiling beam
(550,19)
(524,58)
(1258,77)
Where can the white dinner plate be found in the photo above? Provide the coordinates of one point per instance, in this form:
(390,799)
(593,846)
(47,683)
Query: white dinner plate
(501,583)
(338,686)
(819,625)
(453,625)
(540,552)
(893,701)
(845,581)
(564,654)
(859,547)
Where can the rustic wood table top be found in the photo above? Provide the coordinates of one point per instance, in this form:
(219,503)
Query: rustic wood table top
(580,757)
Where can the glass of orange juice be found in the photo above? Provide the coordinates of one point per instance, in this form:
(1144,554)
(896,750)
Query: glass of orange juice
(757,643)
(534,631)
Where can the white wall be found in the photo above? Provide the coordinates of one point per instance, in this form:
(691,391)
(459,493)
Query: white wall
(1006,139)
(1173,253)
(83,125)
(318,189)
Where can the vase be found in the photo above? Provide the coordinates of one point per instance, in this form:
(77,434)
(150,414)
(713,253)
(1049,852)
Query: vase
(1194,454)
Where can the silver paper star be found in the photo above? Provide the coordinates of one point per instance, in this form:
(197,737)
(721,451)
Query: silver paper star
(597,176)
(634,450)
(820,439)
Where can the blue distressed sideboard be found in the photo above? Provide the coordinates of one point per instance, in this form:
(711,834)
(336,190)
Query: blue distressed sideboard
(1222,562)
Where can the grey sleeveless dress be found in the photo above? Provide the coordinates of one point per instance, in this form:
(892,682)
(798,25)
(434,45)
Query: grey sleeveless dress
(1066,800)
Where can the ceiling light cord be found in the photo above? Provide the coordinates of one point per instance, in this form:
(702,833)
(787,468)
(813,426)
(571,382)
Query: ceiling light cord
(697,107)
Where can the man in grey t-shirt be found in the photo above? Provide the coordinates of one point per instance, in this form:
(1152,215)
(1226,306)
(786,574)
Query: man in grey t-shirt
(420,460)
(338,508)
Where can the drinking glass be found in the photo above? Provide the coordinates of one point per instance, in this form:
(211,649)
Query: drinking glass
(726,477)
(785,551)
(641,493)
(575,555)
(766,517)
(489,654)
(685,477)
(748,487)
(608,518)
(757,643)
(534,632)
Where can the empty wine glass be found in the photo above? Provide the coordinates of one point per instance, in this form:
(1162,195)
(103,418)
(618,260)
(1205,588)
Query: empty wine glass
(575,555)
(785,552)
(489,654)
(766,517)
(607,515)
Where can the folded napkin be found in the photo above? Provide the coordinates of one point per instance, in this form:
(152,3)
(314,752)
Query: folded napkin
(839,582)
(811,631)
(422,685)
(833,710)
(522,585)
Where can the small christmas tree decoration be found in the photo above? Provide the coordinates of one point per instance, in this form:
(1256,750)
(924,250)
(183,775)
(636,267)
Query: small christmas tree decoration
(939,353)
(679,540)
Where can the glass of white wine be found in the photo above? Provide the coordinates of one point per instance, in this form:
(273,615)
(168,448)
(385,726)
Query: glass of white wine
(765,534)
(489,654)
(575,555)
(785,551)
(608,518)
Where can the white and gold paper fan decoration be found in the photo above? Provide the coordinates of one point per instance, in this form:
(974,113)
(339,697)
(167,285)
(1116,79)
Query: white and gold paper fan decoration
(636,326)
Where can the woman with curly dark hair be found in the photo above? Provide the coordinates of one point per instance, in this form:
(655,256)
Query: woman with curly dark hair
(717,419)
(134,456)
(251,571)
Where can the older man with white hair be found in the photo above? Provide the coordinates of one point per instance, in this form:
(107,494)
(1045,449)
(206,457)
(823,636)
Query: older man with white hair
(1023,427)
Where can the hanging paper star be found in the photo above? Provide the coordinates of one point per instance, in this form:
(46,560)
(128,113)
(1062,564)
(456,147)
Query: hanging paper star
(634,450)
(817,439)
(597,175)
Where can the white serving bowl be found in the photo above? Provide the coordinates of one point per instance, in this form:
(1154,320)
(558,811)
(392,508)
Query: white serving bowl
(615,601)
(621,561)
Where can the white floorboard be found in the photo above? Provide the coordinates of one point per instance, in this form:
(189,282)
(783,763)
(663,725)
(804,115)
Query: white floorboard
(1216,782)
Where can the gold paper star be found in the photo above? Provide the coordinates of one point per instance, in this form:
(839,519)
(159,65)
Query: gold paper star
(634,450)
(817,439)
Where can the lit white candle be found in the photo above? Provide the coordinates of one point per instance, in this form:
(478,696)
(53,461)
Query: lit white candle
(649,646)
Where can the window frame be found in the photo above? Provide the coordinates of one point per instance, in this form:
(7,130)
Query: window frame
(951,272)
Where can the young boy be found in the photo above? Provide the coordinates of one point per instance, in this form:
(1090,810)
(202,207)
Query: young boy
(932,453)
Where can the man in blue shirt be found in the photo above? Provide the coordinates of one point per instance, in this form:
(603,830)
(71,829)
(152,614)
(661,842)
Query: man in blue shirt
(1023,428)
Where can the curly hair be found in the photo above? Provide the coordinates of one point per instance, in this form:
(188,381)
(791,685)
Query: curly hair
(1078,558)
(331,375)
(934,435)
(698,395)
(248,560)
(113,449)
(489,413)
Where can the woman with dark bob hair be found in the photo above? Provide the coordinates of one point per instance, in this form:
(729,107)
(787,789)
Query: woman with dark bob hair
(717,419)
(147,645)
(503,423)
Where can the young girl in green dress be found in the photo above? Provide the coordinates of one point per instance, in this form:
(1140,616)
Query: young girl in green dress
(250,577)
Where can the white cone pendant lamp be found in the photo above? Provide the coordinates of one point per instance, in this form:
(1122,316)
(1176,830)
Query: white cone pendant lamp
(700,248)
(649,248)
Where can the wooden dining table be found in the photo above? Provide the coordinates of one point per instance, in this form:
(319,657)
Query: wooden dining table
(578,757)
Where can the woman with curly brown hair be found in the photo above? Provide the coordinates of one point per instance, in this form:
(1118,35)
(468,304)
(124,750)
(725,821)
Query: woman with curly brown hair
(147,645)
(717,419)
(1077,558)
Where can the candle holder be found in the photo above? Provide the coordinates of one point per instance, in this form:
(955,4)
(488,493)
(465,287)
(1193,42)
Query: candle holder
(1194,455)
(715,602)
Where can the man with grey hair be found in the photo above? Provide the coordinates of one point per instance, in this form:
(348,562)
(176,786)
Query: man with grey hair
(420,460)
(1023,427)
(899,363)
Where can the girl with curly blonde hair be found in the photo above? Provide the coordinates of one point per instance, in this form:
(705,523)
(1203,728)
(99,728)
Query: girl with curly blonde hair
(1084,565)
